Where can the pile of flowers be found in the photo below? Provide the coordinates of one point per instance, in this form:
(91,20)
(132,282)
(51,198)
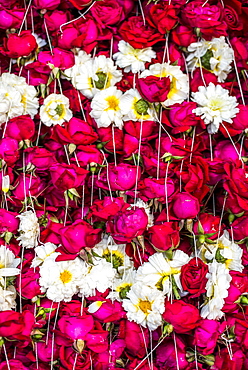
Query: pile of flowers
(124,185)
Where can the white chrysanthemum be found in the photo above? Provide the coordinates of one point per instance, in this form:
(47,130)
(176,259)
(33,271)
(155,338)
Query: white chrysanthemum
(95,75)
(179,88)
(132,59)
(81,58)
(99,277)
(61,280)
(42,252)
(217,289)
(29,229)
(227,252)
(55,110)
(215,56)
(215,106)
(144,306)
(113,253)
(7,298)
(16,97)
(135,108)
(141,204)
(121,286)
(106,107)
(8,263)
(161,273)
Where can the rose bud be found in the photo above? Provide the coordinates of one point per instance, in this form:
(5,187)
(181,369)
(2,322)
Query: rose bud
(154,89)
(193,277)
(165,236)
(227,152)
(185,206)
(9,151)
(121,177)
(20,45)
(20,128)
(183,36)
(67,176)
(79,235)
(182,316)
(240,228)
(46,4)
(208,226)
(8,221)
(127,225)
(89,154)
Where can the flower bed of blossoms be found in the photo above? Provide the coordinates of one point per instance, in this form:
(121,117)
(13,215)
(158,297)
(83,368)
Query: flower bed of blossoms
(124,185)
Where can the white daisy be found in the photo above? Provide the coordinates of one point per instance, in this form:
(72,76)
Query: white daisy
(145,306)
(7,298)
(132,59)
(55,110)
(106,107)
(227,252)
(42,252)
(8,263)
(215,106)
(217,289)
(113,253)
(61,280)
(215,56)
(29,229)
(121,286)
(135,108)
(99,277)
(161,273)
(81,58)
(95,75)
(179,88)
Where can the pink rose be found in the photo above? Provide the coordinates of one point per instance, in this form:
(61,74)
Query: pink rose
(11,18)
(87,154)
(182,118)
(154,89)
(152,188)
(208,224)
(224,150)
(127,225)
(8,221)
(206,335)
(41,158)
(167,357)
(46,4)
(185,206)
(9,150)
(60,58)
(76,327)
(32,186)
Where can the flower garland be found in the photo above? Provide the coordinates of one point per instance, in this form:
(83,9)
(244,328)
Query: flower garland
(124,203)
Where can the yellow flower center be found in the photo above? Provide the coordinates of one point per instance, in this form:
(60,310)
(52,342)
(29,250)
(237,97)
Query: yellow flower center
(115,257)
(65,276)
(216,104)
(145,306)
(113,103)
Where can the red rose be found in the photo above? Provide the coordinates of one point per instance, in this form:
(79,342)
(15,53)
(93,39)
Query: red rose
(154,89)
(20,45)
(79,4)
(183,36)
(193,277)
(65,176)
(107,13)
(79,235)
(30,287)
(185,206)
(232,13)
(20,128)
(41,158)
(182,316)
(165,236)
(240,228)
(163,16)
(137,34)
(181,117)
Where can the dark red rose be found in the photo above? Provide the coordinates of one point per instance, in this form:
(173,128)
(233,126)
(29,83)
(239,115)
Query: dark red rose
(240,228)
(232,13)
(193,277)
(165,236)
(137,34)
(183,36)
(107,13)
(79,4)
(184,317)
